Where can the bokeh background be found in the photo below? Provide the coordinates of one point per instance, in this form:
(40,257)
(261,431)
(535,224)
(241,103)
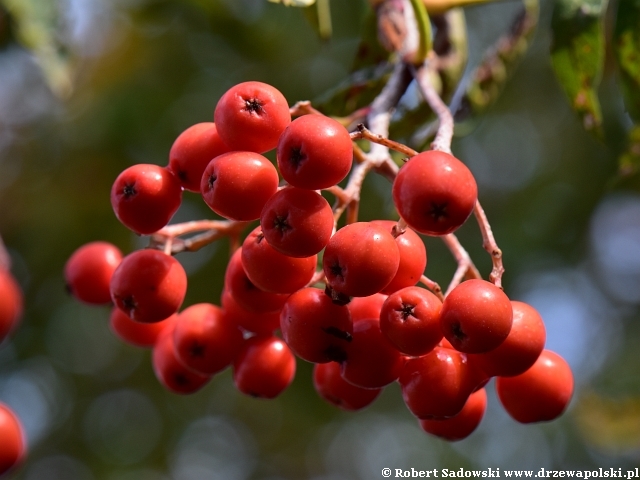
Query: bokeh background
(130,75)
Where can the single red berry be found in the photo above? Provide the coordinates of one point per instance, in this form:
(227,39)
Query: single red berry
(264,368)
(413,258)
(315,328)
(372,362)
(251,116)
(360,259)
(540,394)
(171,373)
(11,303)
(520,349)
(136,333)
(89,269)
(258,323)
(314,152)
(145,197)
(205,341)
(148,285)
(236,185)
(13,447)
(334,389)
(476,316)
(463,424)
(246,294)
(297,222)
(192,151)
(434,193)
(272,271)
(366,307)
(437,384)
(410,319)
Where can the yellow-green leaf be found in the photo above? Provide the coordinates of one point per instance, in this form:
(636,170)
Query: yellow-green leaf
(626,45)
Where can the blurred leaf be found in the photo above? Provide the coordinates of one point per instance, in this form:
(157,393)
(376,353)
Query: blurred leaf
(424,30)
(577,55)
(294,3)
(37,29)
(370,52)
(319,16)
(626,45)
(629,163)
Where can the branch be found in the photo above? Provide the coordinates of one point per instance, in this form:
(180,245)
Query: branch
(490,245)
(167,238)
(466,268)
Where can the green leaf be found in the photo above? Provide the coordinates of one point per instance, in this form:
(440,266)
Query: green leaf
(577,55)
(626,46)
(319,16)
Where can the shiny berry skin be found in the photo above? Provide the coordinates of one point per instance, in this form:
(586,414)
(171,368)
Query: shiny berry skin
(413,258)
(297,222)
(145,197)
(314,152)
(434,193)
(520,349)
(372,362)
(89,269)
(192,151)
(366,307)
(251,116)
(236,185)
(437,384)
(205,341)
(171,373)
(410,319)
(264,368)
(11,303)
(360,259)
(246,294)
(13,447)
(476,316)
(334,389)
(272,271)
(540,394)
(148,285)
(136,333)
(315,328)
(259,323)
(463,424)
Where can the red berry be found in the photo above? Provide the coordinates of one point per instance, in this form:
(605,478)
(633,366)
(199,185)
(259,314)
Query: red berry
(12,445)
(251,116)
(413,258)
(434,193)
(476,316)
(360,259)
(437,384)
(520,349)
(148,285)
(246,294)
(316,329)
(11,303)
(314,152)
(272,271)
(372,362)
(540,394)
(136,333)
(410,319)
(145,197)
(366,307)
(236,185)
(461,425)
(205,341)
(89,270)
(259,323)
(297,222)
(334,389)
(192,151)
(171,373)
(264,368)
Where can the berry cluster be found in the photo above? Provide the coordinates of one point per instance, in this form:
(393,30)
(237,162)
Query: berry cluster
(346,299)
(12,440)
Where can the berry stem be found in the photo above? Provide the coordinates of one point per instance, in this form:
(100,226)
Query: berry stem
(364,133)
(303,107)
(433,286)
(466,267)
(490,245)
(167,238)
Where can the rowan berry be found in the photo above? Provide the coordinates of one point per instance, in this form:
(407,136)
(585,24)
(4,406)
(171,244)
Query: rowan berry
(366,307)
(89,269)
(11,303)
(258,323)
(461,425)
(136,333)
(334,389)
(13,445)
